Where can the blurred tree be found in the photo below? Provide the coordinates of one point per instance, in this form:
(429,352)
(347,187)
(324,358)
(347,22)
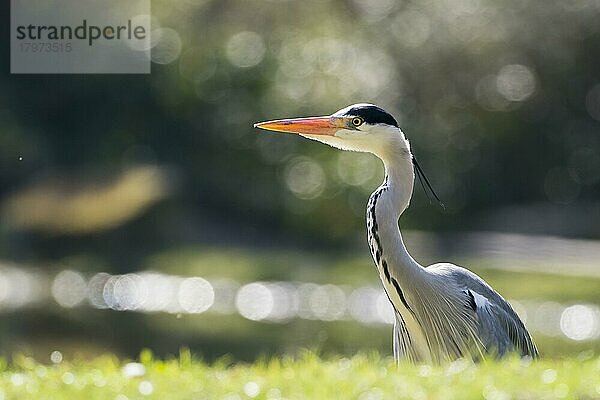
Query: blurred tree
(500,101)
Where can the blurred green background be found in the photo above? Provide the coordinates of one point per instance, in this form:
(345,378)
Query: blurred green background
(117,174)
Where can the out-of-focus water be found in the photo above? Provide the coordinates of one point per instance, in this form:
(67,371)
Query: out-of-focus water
(271,302)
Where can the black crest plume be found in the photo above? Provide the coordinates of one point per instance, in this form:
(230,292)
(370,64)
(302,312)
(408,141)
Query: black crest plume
(424,181)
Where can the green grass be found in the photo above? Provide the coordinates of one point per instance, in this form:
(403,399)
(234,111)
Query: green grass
(305,377)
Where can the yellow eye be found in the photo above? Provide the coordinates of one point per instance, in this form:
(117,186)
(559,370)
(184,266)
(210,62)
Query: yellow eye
(357,121)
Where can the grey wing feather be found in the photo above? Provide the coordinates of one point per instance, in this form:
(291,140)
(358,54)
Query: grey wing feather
(500,328)
(502,331)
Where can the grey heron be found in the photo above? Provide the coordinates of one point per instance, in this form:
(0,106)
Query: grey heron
(443,311)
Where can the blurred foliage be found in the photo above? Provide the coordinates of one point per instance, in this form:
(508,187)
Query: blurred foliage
(500,101)
(55,207)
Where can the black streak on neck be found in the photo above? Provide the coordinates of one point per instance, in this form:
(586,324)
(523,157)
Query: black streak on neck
(378,253)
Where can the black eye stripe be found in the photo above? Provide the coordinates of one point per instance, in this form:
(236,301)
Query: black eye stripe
(372,115)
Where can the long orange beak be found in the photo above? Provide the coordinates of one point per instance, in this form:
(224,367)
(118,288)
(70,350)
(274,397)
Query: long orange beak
(311,126)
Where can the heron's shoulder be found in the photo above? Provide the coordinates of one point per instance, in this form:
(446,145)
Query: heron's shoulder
(466,279)
(471,282)
(454,271)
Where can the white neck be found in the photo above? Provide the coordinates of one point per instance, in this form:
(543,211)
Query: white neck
(394,198)
(400,180)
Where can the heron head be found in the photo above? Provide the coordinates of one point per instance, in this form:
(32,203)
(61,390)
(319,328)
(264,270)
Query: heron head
(359,127)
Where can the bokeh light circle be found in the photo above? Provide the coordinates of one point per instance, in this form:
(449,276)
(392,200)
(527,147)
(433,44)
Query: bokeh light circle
(580,322)
(254,301)
(69,288)
(245,49)
(166,45)
(305,178)
(196,295)
(516,82)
